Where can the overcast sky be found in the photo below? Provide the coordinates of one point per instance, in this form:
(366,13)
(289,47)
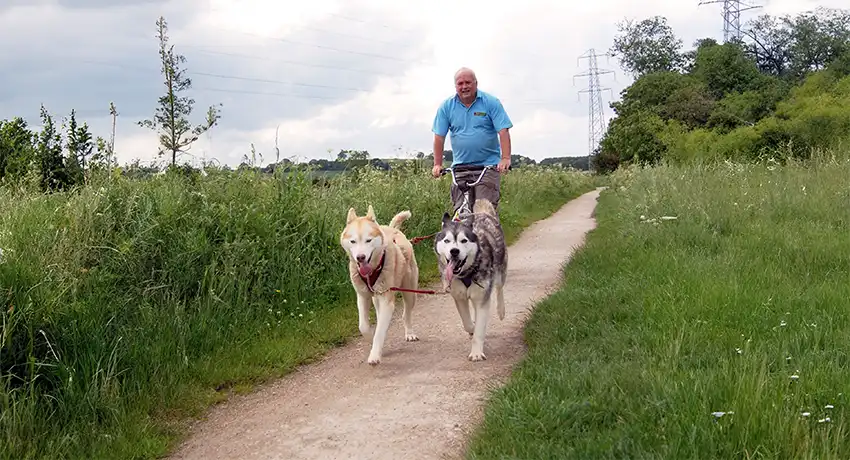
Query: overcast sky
(329,74)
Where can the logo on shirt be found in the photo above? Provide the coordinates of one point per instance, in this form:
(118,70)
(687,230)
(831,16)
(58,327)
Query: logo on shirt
(480,114)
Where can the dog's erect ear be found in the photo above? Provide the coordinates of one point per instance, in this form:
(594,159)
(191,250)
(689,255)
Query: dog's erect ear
(446,218)
(351,216)
(370,214)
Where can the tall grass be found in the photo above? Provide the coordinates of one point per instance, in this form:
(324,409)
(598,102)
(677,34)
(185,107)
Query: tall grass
(131,305)
(722,333)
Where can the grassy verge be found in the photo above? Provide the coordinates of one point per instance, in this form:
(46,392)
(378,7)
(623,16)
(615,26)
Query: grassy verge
(720,334)
(131,306)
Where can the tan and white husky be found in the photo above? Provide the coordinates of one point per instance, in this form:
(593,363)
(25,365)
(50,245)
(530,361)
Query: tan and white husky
(380,258)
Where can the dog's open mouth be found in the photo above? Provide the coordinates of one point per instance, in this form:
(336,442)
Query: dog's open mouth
(365,269)
(452,268)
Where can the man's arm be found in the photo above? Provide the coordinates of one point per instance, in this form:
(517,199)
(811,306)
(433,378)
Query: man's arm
(440,129)
(505,141)
(502,123)
(439,146)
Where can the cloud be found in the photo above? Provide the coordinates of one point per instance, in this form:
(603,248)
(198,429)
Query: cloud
(325,74)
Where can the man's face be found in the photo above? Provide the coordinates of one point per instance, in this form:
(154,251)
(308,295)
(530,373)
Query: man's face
(465,85)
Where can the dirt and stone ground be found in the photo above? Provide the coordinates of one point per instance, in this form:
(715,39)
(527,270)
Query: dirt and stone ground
(423,400)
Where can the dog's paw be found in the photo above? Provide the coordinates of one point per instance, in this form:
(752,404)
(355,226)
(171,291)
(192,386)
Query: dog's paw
(476,356)
(373,360)
(411,337)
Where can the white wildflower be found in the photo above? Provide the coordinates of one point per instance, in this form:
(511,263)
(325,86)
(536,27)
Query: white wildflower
(829,406)
(823,420)
(806,414)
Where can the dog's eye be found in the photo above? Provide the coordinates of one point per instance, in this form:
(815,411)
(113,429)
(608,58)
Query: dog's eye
(446,241)
(369,240)
(353,242)
(463,241)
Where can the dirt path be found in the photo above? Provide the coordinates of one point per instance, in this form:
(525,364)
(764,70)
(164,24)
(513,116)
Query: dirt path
(424,398)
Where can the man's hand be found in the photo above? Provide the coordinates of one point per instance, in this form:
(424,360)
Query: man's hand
(503,166)
(435,171)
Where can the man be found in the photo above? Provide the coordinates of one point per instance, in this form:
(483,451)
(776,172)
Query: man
(479,125)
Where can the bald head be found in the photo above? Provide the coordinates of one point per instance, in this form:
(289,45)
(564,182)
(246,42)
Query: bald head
(465,72)
(466,85)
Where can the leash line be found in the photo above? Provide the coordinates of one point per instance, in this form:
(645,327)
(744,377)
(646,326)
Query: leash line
(419,239)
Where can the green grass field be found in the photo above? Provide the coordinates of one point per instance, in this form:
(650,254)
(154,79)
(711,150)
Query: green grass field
(130,306)
(739,306)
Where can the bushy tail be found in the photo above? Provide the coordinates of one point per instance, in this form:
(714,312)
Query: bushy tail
(484,206)
(399,219)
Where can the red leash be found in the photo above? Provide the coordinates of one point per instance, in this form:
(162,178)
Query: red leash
(417,291)
(368,282)
(418,239)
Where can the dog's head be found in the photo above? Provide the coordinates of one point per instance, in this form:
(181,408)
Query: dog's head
(363,240)
(456,246)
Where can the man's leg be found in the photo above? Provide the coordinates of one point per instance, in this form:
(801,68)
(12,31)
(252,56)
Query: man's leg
(457,197)
(490,187)
(464,177)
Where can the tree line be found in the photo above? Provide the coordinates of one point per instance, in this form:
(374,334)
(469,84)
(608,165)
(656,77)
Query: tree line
(64,154)
(781,90)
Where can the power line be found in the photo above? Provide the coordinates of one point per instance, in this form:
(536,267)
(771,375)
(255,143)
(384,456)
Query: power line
(325,47)
(266,80)
(285,61)
(333,32)
(596,121)
(268,93)
(353,19)
(244,78)
(224,76)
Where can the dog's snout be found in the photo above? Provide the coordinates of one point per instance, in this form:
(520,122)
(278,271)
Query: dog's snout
(361,257)
(454,252)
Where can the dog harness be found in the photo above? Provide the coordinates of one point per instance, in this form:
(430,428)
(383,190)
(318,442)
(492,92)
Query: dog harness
(375,274)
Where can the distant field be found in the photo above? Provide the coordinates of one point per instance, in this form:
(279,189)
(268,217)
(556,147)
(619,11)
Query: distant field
(131,305)
(721,334)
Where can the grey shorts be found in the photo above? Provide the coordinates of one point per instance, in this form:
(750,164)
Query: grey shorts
(489,188)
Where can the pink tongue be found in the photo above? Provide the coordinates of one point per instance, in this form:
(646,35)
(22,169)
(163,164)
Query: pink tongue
(365,270)
(448,274)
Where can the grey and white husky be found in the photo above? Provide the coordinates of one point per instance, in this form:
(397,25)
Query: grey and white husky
(473,259)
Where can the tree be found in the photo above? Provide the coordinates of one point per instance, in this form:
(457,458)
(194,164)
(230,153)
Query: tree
(725,69)
(819,37)
(791,47)
(49,151)
(109,150)
(770,47)
(171,119)
(650,92)
(647,46)
(17,151)
(80,148)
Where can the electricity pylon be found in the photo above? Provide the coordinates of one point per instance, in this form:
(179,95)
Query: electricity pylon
(596,128)
(731,17)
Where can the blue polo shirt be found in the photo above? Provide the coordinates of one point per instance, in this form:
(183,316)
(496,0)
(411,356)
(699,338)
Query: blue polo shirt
(474,137)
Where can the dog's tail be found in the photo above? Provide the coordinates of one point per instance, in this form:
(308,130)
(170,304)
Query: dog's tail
(484,206)
(399,219)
